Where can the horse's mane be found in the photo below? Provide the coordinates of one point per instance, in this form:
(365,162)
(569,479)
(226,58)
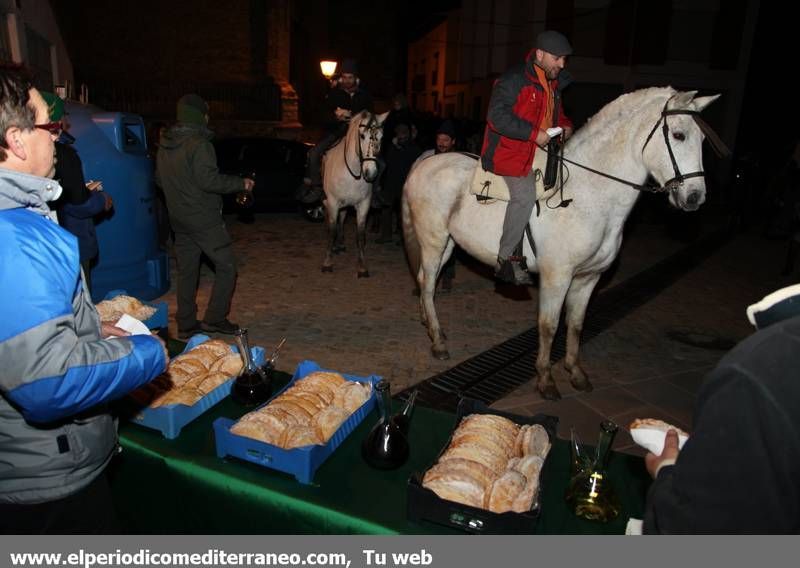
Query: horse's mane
(596,130)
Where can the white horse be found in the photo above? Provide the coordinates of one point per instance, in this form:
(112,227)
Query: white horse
(349,168)
(574,244)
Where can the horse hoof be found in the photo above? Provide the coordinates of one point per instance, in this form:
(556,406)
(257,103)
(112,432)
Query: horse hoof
(327,269)
(549,392)
(363,273)
(440,353)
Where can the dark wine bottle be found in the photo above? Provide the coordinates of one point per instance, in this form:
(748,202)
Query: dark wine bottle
(253,386)
(386,447)
(245,198)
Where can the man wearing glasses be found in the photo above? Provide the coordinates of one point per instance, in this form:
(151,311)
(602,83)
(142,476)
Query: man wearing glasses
(56,435)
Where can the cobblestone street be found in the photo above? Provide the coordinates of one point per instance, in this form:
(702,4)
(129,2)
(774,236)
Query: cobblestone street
(372,326)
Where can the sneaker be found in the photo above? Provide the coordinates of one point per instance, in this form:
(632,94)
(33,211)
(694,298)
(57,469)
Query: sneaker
(224,326)
(512,272)
(188,332)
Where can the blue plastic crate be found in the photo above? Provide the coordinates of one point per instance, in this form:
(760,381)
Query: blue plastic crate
(157,320)
(172,418)
(300,462)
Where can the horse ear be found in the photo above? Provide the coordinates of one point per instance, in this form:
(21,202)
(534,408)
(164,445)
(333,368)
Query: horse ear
(682,100)
(702,102)
(382,117)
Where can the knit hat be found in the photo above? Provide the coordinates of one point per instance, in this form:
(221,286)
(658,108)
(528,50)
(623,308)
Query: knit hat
(553,42)
(55,105)
(349,66)
(447,127)
(192,109)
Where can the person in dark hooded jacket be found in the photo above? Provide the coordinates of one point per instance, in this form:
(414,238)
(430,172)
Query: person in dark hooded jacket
(187,171)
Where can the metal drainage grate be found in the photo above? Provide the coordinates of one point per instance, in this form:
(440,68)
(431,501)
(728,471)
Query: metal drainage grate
(500,370)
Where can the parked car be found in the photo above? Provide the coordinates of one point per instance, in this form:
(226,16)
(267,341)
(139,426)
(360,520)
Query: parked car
(278,165)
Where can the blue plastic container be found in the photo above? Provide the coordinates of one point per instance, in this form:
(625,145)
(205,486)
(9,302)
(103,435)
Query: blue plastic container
(170,419)
(113,149)
(157,320)
(300,462)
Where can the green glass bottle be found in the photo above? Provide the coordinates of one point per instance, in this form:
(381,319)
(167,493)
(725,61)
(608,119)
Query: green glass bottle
(590,494)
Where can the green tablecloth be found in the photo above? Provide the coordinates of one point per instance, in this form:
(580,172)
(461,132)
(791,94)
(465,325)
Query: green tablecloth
(180,486)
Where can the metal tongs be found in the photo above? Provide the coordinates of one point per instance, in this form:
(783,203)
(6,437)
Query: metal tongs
(274,357)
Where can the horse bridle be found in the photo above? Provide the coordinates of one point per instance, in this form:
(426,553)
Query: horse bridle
(676,182)
(373,127)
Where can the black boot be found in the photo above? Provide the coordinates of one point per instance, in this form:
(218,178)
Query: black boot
(512,270)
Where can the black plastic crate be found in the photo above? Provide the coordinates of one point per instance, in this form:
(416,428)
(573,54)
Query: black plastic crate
(424,504)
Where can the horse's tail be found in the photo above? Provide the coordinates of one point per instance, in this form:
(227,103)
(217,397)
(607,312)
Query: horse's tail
(410,237)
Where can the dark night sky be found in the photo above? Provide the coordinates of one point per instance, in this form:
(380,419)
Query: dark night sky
(769,121)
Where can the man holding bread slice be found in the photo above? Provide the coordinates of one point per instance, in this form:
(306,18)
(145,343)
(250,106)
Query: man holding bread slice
(59,373)
(738,471)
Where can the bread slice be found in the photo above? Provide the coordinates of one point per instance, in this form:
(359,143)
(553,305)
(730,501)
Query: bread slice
(655,424)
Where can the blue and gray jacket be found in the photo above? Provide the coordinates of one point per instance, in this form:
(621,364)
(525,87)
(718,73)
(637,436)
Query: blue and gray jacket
(57,372)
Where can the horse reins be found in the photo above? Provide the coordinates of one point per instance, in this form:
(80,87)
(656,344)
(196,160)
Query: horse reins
(361,158)
(717,144)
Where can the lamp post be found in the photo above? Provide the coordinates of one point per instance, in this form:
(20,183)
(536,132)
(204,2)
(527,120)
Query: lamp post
(328,68)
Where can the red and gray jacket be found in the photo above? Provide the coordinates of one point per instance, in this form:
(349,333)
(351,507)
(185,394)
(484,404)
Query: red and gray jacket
(515,112)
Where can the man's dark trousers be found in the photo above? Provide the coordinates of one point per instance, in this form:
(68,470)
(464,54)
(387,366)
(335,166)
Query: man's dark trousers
(216,244)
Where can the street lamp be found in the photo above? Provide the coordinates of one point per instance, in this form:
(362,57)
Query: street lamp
(328,68)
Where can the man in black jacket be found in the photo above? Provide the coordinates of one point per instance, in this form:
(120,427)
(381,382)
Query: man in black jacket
(347,99)
(738,471)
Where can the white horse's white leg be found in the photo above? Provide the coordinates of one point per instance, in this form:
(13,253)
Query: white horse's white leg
(553,286)
(431,262)
(338,246)
(362,210)
(331,217)
(577,299)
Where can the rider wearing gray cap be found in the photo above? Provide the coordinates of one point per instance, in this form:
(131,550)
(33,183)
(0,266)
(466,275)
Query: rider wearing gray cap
(525,102)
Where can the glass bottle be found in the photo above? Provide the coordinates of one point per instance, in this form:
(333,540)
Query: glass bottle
(246,198)
(590,494)
(386,447)
(252,387)
(403,418)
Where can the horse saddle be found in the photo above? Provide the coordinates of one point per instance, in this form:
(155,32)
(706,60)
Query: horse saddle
(487,185)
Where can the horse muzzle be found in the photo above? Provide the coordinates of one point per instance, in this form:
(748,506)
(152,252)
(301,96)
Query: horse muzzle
(370,170)
(687,199)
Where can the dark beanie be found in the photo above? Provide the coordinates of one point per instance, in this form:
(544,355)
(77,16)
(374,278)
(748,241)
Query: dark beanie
(349,66)
(447,127)
(192,109)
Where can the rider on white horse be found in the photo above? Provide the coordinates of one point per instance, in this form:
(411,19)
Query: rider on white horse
(343,102)
(525,102)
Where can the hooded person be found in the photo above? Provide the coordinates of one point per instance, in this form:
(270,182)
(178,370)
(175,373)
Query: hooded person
(193,187)
(737,472)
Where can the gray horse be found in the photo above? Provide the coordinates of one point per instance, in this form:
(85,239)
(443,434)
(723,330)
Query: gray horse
(574,245)
(349,168)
